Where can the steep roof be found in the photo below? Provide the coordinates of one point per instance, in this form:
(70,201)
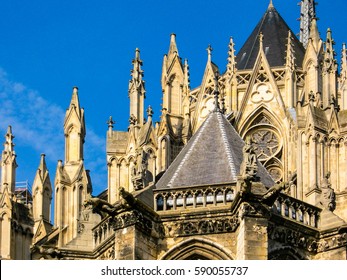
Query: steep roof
(212,156)
(275,35)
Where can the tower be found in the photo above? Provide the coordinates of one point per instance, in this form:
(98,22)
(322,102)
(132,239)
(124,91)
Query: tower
(72,182)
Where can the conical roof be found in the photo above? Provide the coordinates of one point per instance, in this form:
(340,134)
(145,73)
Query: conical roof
(212,156)
(275,37)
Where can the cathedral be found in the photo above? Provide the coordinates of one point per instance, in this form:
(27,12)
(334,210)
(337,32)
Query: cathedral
(250,165)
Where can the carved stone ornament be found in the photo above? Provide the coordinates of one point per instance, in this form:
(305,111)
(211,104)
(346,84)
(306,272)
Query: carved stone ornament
(139,171)
(205,226)
(99,206)
(328,198)
(246,209)
(249,165)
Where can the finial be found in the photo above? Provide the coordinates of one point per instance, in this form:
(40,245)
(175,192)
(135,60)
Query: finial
(209,52)
(137,53)
(149,111)
(132,120)
(110,123)
(75,90)
(271,4)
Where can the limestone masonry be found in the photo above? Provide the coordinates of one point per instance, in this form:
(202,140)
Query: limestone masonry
(252,164)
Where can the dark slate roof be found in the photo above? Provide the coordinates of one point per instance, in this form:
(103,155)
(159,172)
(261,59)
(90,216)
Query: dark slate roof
(275,31)
(212,156)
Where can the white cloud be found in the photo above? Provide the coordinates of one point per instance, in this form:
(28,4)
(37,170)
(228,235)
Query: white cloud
(38,124)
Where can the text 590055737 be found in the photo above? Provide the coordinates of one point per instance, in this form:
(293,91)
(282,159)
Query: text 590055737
(222,270)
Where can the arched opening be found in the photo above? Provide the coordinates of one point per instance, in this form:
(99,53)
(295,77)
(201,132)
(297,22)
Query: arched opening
(197,249)
(286,253)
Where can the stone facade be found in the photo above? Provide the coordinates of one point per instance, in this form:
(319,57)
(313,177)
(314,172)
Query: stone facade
(252,164)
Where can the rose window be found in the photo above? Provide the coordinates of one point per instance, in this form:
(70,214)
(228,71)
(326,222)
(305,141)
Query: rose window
(266,143)
(267,146)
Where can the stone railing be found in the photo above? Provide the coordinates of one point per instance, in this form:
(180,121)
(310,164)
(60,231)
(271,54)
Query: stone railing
(102,231)
(297,210)
(194,197)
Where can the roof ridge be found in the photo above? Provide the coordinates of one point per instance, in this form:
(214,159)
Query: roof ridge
(226,144)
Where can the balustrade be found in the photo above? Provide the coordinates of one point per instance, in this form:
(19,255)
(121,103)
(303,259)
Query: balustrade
(297,210)
(205,196)
(102,231)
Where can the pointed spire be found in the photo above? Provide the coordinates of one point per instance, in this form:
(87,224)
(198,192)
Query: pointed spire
(330,63)
(290,57)
(9,140)
(74,100)
(343,78)
(231,66)
(344,61)
(136,72)
(314,33)
(43,166)
(307,13)
(186,76)
(137,92)
(270,5)
(173,50)
(8,162)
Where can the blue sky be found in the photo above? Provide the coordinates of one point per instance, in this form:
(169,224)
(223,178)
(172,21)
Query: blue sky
(47,47)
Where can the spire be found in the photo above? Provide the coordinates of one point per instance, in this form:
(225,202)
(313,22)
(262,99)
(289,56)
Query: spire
(307,13)
(186,82)
(275,31)
(43,166)
(8,162)
(137,92)
(290,56)
(330,63)
(137,72)
(42,193)
(314,33)
(271,5)
(343,78)
(9,140)
(74,100)
(231,66)
(173,50)
(74,129)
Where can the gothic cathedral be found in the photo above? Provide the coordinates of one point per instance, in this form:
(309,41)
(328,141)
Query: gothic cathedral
(252,164)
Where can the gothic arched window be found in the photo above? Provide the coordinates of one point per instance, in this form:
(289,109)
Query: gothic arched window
(268,145)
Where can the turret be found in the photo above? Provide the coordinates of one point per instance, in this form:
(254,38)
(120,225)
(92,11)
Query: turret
(74,130)
(172,80)
(343,79)
(72,182)
(42,192)
(8,163)
(329,71)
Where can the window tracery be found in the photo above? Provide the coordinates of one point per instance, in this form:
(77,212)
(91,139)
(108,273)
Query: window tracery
(267,145)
